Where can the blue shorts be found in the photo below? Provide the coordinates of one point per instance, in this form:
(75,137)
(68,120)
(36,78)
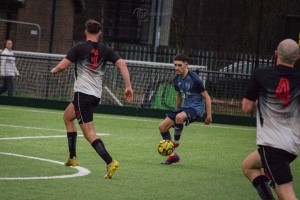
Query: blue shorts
(84,105)
(276,164)
(190,112)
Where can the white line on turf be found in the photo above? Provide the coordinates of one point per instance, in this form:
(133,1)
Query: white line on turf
(40,137)
(29,127)
(81,170)
(134,119)
(43,129)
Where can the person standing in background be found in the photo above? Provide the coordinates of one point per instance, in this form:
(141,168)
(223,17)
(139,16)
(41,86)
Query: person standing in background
(8,69)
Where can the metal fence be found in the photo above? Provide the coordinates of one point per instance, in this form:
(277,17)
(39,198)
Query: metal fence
(151,81)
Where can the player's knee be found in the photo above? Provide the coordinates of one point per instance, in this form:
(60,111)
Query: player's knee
(67,119)
(245,167)
(179,119)
(162,128)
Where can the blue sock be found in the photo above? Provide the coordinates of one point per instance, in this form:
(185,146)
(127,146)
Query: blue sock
(166,135)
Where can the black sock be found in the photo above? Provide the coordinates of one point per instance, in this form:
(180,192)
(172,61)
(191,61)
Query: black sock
(100,149)
(177,131)
(166,135)
(263,188)
(72,138)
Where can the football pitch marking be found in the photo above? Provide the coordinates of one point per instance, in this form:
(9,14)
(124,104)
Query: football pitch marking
(132,119)
(81,170)
(39,137)
(43,129)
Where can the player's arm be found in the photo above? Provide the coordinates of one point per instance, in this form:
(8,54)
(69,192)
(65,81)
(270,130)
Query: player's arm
(247,105)
(251,95)
(208,118)
(62,65)
(178,99)
(125,74)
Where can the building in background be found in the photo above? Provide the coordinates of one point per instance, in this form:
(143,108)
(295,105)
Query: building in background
(53,25)
(39,26)
(252,27)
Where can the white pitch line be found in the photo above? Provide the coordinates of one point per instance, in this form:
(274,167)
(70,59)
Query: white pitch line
(136,119)
(81,170)
(43,129)
(30,127)
(39,137)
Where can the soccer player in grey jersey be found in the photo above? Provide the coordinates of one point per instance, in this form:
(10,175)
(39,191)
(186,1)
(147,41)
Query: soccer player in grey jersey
(90,58)
(277,92)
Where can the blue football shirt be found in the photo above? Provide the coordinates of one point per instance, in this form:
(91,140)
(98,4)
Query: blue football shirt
(190,89)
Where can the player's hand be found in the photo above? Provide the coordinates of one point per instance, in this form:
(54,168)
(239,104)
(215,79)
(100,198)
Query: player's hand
(128,94)
(57,69)
(207,120)
(54,70)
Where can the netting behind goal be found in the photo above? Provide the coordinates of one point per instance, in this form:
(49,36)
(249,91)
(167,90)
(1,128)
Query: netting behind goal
(151,82)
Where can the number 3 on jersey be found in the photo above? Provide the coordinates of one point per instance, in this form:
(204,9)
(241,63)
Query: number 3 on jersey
(94,59)
(283,91)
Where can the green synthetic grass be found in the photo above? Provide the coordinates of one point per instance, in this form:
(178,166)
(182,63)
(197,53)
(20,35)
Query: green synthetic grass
(209,168)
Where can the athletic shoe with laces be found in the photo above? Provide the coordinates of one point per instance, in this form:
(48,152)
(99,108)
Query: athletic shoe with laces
(71,162)
(175,144)
(171,159)
(111,168)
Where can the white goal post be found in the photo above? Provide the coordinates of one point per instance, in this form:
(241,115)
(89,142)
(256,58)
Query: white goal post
(151,81)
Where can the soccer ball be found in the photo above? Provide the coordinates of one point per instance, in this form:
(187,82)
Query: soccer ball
(165,147)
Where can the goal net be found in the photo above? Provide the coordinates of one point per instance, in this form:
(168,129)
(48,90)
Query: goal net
(151,81)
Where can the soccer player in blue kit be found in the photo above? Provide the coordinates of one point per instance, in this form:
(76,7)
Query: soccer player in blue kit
(192,100)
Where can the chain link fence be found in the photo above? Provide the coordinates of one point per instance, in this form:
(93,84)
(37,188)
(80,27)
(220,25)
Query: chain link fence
(230,38)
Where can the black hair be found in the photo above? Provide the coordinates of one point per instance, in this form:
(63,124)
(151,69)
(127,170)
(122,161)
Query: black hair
(182,57)
(93,26)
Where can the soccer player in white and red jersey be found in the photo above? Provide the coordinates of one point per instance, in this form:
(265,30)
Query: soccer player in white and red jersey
(276,92)
(192,100)
(90,58)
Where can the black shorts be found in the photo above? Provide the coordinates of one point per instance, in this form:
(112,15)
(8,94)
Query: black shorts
(84,105)
(276,164)
(190,112)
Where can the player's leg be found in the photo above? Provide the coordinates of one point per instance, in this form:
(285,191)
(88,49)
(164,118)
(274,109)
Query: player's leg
(186,116)
(84,114)
(69,117)
(90,134)
(178,127)
(286,191)
(164,127)
(251,167)
(179,117)
(276,162)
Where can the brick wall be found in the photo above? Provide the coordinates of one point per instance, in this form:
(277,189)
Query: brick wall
(26,37)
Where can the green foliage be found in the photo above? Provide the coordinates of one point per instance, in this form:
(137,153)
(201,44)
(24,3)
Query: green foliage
(210,166)
(165,97)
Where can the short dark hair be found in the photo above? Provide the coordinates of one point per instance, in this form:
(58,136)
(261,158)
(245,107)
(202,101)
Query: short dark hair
(182,57)
(93,26)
